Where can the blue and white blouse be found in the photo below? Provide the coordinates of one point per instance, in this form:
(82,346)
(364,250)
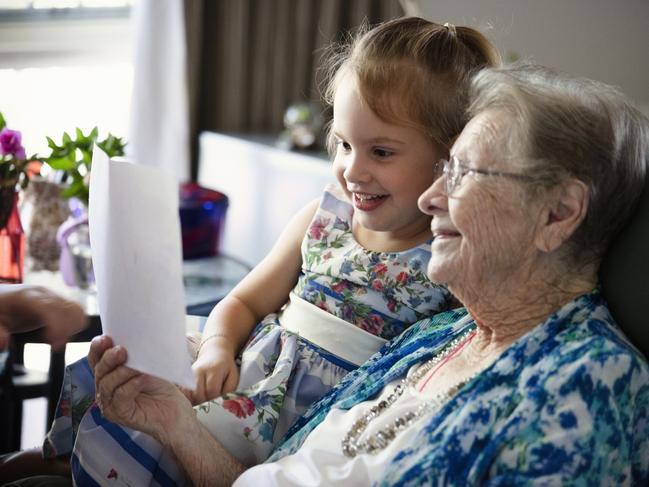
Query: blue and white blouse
(566,404)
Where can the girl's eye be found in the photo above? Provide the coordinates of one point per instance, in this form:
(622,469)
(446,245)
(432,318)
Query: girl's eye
(382,153)
(344,145)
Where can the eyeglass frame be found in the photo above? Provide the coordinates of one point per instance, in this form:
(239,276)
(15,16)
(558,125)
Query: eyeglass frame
(452,182)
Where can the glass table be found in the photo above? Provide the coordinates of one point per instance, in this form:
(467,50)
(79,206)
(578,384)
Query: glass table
(206,280)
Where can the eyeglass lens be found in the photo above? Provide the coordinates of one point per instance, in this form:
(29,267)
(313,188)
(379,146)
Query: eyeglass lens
(453,174)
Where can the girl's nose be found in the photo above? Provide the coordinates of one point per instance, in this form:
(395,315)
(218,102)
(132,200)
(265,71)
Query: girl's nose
(434,198)
(356,170)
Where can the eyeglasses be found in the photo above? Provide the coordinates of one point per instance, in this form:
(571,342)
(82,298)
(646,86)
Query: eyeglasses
(454,171)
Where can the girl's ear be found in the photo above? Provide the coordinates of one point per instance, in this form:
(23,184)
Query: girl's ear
(564,211)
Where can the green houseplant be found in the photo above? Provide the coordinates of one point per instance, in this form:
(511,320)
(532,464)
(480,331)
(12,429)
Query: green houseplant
(73,157)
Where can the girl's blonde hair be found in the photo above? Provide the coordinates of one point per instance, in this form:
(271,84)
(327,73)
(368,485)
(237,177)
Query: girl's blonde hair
(414,72)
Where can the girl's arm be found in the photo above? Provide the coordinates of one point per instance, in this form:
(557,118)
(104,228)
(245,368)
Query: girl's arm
(264,290)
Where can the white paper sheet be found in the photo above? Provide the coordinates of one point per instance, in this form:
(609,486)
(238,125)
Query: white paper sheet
(137,260)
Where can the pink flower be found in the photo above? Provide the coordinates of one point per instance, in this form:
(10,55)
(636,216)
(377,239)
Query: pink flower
(317,230)
(380,269)
(392,304)
(372,324)
(402,277)
(377,285)
(241,407)
(10,143)
(327,255)
(338,287)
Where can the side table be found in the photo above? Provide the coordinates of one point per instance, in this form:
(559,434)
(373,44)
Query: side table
(206,281)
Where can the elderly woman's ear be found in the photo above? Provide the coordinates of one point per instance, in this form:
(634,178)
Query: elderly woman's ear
(565,209)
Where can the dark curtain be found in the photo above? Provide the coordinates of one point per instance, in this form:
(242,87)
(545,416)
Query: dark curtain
(249,59)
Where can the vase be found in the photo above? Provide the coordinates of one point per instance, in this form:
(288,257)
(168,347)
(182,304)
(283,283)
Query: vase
(43,211)
(76,259)
(12,237)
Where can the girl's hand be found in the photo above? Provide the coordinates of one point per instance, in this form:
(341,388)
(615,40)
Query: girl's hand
(215,370)
(139,401)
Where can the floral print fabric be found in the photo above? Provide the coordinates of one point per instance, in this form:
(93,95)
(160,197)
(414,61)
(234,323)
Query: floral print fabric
(566,404)
(281,374)
(380,292)
(77,395)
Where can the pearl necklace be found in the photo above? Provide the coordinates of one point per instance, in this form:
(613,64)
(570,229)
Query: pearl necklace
(352,445)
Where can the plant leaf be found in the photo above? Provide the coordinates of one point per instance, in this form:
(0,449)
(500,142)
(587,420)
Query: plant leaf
(61,163)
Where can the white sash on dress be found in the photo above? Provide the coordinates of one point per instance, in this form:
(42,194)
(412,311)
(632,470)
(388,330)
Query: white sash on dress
(328,331)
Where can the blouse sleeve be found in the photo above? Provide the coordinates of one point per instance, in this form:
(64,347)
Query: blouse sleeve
(596,434)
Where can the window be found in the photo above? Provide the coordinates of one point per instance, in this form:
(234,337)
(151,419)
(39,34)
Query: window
(65,64)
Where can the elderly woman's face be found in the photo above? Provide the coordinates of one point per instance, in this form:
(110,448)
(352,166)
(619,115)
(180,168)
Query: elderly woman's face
(484,230)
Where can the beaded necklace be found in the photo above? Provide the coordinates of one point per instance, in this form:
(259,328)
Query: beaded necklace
(352,445)
(463,343)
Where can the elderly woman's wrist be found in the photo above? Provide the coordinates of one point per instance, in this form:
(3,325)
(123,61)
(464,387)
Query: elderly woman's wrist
(180,418)
(195,450)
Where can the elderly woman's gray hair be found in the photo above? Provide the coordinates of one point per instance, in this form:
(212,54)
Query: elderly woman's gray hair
(567,127)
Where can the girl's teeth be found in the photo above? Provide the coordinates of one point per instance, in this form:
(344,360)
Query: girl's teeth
(365,197)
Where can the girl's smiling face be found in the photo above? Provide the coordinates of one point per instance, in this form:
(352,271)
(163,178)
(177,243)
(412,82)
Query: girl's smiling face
(383,168)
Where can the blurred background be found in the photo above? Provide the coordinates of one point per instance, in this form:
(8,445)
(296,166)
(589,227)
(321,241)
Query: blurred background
(160,72)
(209,90)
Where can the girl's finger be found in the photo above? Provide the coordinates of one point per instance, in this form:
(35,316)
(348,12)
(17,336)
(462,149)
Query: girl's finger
(199,393)
(214,386)
(231,382)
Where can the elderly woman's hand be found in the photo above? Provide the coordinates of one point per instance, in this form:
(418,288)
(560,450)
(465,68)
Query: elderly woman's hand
(131,398)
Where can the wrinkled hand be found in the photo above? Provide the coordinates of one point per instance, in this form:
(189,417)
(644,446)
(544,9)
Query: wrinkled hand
(24,308)
(216,372)
(131,398)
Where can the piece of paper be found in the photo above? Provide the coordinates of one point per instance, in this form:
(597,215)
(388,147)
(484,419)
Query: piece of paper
(137,261)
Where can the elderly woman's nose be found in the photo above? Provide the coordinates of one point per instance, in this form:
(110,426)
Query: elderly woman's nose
(434,198)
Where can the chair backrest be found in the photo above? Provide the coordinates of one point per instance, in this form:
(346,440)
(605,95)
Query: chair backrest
(625,277)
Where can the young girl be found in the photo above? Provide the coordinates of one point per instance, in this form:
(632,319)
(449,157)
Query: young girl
(351,264)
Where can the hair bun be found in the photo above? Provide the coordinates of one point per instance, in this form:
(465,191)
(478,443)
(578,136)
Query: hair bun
(450,27)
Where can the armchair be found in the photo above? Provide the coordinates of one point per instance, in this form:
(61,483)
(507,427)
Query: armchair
(625,277)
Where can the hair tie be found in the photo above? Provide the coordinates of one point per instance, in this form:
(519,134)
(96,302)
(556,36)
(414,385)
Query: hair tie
(451,28)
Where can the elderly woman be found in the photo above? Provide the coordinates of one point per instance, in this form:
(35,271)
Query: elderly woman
(532,382)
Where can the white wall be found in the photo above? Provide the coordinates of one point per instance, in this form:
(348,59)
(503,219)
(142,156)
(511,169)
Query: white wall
(265,185)
(607,40)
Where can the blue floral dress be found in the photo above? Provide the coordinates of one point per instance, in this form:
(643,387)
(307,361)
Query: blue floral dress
(382,293)
(281,373)
(566,404)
